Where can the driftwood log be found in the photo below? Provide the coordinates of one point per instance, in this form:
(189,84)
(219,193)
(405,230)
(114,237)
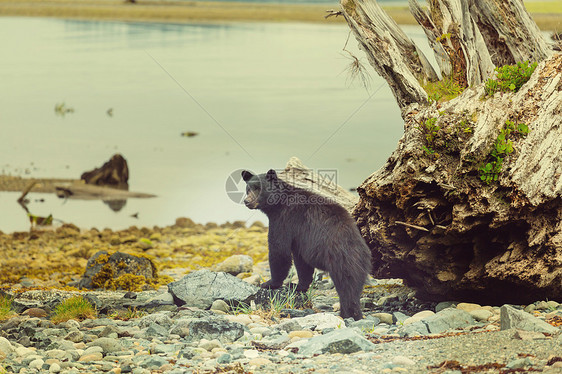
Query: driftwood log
(426,214)
(323,182)
(84,191)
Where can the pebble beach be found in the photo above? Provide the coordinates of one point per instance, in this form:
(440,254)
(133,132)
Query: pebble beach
(158,334)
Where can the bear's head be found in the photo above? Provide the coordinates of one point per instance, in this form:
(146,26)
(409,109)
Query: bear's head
(260,189)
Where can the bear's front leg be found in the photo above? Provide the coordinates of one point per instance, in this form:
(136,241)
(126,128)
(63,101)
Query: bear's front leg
(279,260)
(279,266)
(304,271)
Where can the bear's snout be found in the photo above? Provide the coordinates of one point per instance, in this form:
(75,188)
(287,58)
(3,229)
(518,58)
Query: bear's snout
(250,203)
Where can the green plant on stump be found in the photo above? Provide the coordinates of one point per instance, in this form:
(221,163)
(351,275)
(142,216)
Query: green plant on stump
(489,172)
(443,90)
(430,131)
(510,78)
(75,307)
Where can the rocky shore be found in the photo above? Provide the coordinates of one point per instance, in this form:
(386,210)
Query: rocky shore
(212,321)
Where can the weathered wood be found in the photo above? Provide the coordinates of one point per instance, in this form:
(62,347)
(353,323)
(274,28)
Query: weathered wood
(484,241)
(459,47)
(393,54)
(114,173)
(469,37)
(92,192)
(510,33)
(427,215)
(323,183)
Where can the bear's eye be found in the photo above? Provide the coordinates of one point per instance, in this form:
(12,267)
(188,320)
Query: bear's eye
(254,190)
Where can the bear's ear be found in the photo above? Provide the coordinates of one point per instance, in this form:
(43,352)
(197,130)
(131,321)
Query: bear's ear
(246,175)
(271,175)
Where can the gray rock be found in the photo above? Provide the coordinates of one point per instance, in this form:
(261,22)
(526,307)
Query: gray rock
(448,319)
(161,319)
(519,363)
(220,305)
(387,300)
(414,329)
(235,265)
(89,323)
(398,317)
(273,342)
(541,305)
(181,327)
(74,336)
(109,330)
(154,362)
(289,325)
(343,341)
(156,330)
(552,304)
(92,349)
(444,305)
(188,353)
(108,345)
(200,288)
(5,347)
(512,318)
(163,301)
(225,358)
(320,321)
(385,318)
(215,328)
(402,361)
(365,324)
(165,348)
(528,335)
(481,315)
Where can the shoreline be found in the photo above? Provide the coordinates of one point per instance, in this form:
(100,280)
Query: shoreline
(548,17)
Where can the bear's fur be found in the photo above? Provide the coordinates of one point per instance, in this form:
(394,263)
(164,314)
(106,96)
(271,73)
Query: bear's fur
(314,232)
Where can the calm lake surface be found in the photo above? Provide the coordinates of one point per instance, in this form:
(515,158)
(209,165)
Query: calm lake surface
(257,94)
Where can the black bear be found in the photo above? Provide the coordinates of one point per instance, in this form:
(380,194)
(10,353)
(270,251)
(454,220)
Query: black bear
(316,233)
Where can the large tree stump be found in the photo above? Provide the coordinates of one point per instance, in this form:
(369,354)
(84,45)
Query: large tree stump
(426,214)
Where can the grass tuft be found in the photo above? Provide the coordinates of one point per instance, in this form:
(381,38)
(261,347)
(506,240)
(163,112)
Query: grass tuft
(443,90)
(125,315)
(5,308)
(76,308)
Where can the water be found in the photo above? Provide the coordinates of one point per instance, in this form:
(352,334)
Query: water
(330,2)
(257,94)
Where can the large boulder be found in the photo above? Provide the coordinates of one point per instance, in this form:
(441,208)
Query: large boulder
(200,288)
(118,271)
(511,318)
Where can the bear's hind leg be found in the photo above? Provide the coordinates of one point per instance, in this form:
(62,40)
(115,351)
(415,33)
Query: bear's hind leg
(349,291)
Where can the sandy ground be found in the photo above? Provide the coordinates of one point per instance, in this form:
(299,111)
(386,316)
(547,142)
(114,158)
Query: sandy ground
(11,183)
